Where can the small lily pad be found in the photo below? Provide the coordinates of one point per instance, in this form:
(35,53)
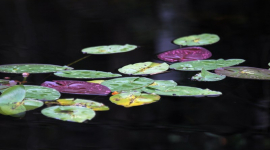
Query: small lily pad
(69,113)
(197,40)
(32,68)
(41,93)
(31,104)
(205,75)
(144,68)
(110,49)
(86,74)
(134,99)
(185,54)
(206,64)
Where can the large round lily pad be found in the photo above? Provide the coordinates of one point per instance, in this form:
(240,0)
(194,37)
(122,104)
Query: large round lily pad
(134,99)
(41,93)
(245,72)
(85,74)
(206,64)
(196,40)
(205,75)
(77,87)
(185,54)
(144,68)
(127,83)
(69,113)
(32,68)
(110,49)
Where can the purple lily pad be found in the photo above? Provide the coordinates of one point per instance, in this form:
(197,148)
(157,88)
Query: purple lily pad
(185,54)
(77,87)
(245,72)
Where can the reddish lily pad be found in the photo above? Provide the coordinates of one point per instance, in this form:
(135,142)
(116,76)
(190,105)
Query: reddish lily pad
(77,87)
(185,54)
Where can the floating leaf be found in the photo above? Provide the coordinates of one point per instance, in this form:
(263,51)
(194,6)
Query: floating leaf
(77,87)
(245,72)
(32,68)
(207,76)
(13,109)
(185,54)
(31,104)
(144,68)
(110,49)
(163,83)
(41,92)
(96,81)
(206,64)
(127,83)
(196,40)
(69,113)
(13,94)
(85,74)
(134,99)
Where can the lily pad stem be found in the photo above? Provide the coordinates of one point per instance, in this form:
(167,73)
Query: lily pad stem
(78,60)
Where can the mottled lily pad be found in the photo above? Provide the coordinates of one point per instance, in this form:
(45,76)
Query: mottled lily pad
(185,54)
(110,49)
(41,93)
(134,99)
(144,68)
(197,40)
(206,64)
(69,113)
(163,83)
(77,87)
(245,72)
(205,75)
(86,74)
(127,83)
(32,68)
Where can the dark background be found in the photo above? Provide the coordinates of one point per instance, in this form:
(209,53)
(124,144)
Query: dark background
(55,31)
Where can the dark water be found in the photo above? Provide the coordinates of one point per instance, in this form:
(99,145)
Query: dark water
(55,31)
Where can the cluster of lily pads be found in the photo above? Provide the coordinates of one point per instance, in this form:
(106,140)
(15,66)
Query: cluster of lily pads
(126,91)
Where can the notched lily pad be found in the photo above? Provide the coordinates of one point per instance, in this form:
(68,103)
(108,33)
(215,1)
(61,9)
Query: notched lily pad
(110,49)
(196,40)
(86,74)
(206,64)
(41,93)
(205,75)
(185,54)
(144,68)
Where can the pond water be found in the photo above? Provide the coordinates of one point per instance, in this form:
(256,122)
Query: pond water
(55,32)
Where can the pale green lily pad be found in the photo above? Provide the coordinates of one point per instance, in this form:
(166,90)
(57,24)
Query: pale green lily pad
(13,109)
(13,94)
(86,74)
(205,75)
(41,93)
(197,40)
(31,104)
(181,91)
(69,113)
(32,68)
(206,64)
(144,68)
(127,83)
(162,84)
(134,99)
(110,49)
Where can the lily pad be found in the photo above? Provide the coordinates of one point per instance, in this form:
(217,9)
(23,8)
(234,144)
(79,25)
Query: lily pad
(96,81)
(185,54)
(162,83)
(13,94)
(85,74)
(196,40)
(77,87)
(134,99)
(41,93)
(127,83)
(205,75)
(245,72)
(31,104)
(110,49)
(32,68)
(206,64)
(144,68)
(69,113)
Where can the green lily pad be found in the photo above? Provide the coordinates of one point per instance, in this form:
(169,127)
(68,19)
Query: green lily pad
(31,104)
(69,113)
(32,68)
(162,84)
(181,91)
(205,75)
(13,94)
(196,40)
(206,64)
(85,74)
(134,99)
(110,49)
(127,83)
(41,93)
(13,109)
(144,68)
